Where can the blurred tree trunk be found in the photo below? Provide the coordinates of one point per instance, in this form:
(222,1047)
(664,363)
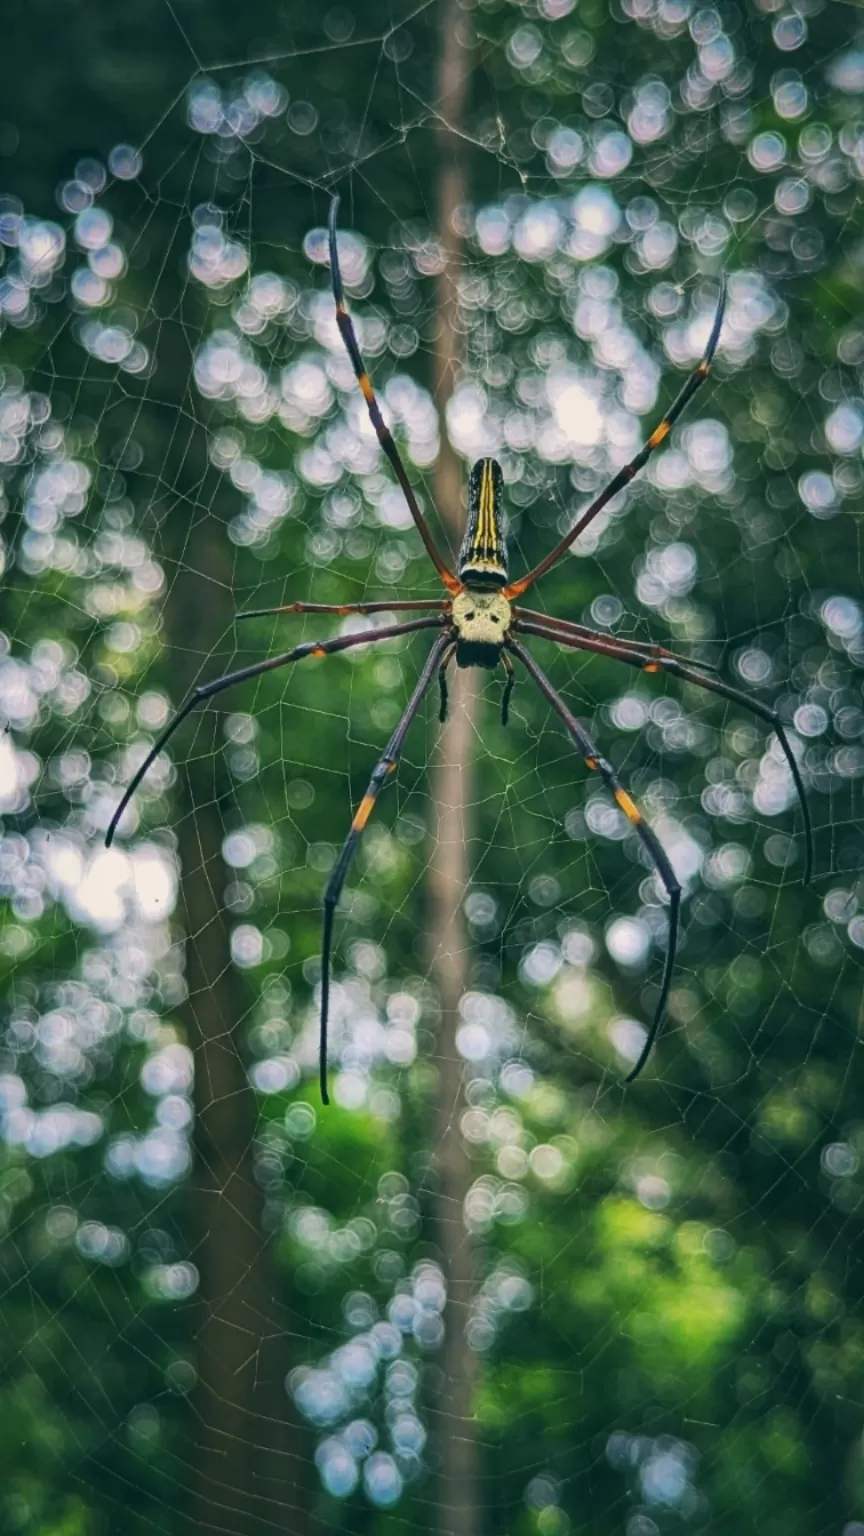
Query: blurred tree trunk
(452,799)
(249,1452)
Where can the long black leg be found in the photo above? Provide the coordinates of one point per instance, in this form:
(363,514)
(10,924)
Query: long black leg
(617,483)
(664,661)
(650,842)
(385,766)
(415,605)
(243,674)
(581,631)
(382,431)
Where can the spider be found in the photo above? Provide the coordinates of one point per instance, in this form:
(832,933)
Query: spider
(479,624)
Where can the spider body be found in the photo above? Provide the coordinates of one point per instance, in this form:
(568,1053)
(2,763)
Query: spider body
(479,625)
(483,556)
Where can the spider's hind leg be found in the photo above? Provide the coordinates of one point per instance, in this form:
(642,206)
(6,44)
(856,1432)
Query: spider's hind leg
(508,687)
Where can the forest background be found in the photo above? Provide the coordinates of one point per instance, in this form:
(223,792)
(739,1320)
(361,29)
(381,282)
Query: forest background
(491,1289)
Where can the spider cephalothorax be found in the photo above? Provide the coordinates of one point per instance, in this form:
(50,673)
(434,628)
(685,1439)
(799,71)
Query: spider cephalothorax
(479,625)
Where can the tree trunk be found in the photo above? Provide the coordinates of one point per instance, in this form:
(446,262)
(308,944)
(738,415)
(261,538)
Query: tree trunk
(249,1452)
(452,798)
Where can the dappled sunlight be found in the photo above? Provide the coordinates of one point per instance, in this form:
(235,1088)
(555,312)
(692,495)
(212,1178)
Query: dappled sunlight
(656,1313)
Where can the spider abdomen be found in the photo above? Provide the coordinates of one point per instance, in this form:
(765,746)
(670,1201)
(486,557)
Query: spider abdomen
(483,556)
(482,623)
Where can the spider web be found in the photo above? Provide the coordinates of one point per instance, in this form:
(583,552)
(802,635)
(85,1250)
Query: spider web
(667,1320)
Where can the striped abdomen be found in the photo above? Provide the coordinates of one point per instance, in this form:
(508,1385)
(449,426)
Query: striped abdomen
(483,556)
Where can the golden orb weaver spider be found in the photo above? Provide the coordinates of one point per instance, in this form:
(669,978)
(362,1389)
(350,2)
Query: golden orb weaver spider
(479,626)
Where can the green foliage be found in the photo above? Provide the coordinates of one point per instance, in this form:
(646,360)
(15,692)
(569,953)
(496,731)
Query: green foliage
(670,1323)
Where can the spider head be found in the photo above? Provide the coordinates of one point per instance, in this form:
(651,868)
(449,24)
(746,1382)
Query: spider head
(483,556)
(481,621)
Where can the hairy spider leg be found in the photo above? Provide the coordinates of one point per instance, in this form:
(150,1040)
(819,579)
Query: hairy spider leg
(242,675)
(617,483)
(641,647)
(442,682)
(382,431)
(413,605)
(673,665)
(381,773)
(651,843)
(508,687)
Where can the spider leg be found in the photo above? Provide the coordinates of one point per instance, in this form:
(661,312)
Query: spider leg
(344,608)
(382,431)
(666,662)
(618,481)
(442,683)
(385,766)
(508,687)
(650,842)
(242,675)
(581,631)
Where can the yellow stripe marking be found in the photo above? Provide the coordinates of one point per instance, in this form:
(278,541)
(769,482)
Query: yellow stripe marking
(484,534)
(366,386)
(364,811)
(489,502)
(630,810)
(658,434)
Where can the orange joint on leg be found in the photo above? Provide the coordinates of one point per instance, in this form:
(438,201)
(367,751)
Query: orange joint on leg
(364,811)
(630,810)
(658,434)
(591,762)
(366,387)
(651,666)
(703,369)
(319,651)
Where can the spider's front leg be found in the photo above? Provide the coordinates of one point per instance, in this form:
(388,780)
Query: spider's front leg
(206,691)
(649,839)
(654,659)
(381,773)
